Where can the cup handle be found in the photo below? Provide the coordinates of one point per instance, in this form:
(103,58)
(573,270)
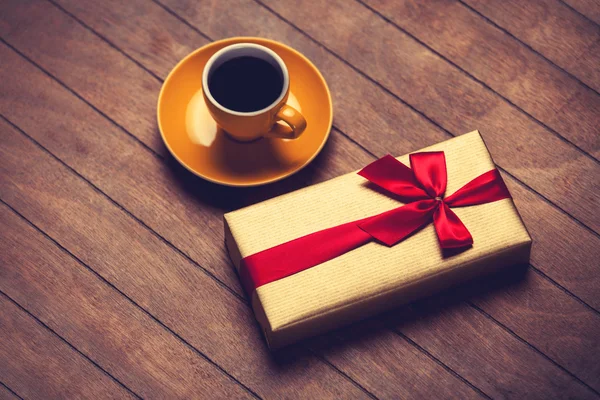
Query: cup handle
(291,117)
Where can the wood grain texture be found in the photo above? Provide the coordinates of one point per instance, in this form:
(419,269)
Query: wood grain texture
(113,39)
(586,280)
(557,218)
(201,220)
(121,34)
(391,368)
(588,8)
(87,312)
(153,275)
(430,324)
(215,307)
(377,110)
(562,249)
(104,79)
(563,329)
(83,166)
(38,364)
(448,97)
(553,29)
(6,393)
(181,209)
(505,65)
(548,172)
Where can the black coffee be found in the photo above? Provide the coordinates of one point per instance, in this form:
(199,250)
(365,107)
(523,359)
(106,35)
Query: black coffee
(246,84)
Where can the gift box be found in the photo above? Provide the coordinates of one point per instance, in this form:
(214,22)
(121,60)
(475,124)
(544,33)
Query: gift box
(333,253)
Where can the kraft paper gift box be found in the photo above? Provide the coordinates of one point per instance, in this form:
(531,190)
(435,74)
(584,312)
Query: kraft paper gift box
(373,277)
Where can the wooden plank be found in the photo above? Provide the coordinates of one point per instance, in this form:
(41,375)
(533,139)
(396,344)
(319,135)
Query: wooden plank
(92,316)
(75,220)
(132,27)
(38,364)
(201,219)
(362,108)
(504,64)
(379,144)
(431,320)
(118,151)
(588,8)
(6,393)
(440,91)
(445,313)
(559,222)
(137,37)
(375,356)
(585,284)
(102,77)
(122,33)
(559,244)
(563,329)
(154,276)
(552,28)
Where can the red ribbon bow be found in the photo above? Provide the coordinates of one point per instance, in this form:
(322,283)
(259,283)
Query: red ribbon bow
(421,188)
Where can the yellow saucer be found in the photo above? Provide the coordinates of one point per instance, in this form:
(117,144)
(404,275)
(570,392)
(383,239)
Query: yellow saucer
(193,138)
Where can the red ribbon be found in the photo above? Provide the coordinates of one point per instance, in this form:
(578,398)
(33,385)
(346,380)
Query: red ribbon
(420,187)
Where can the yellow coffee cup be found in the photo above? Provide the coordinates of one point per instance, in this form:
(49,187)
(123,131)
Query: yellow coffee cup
(252,124)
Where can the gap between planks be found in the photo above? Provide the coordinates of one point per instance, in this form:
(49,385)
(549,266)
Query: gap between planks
(381,86)
(526,45)
(10,390)
(175,248)
(105,281)
(472,77)
(40,322)
(425,116)
(137,63)
(579,12)
(161,157)
(172,247)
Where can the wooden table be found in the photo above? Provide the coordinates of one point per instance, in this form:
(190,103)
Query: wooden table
(114,280)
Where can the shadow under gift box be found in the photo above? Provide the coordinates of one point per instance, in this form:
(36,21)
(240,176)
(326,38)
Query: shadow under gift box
(372,278)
